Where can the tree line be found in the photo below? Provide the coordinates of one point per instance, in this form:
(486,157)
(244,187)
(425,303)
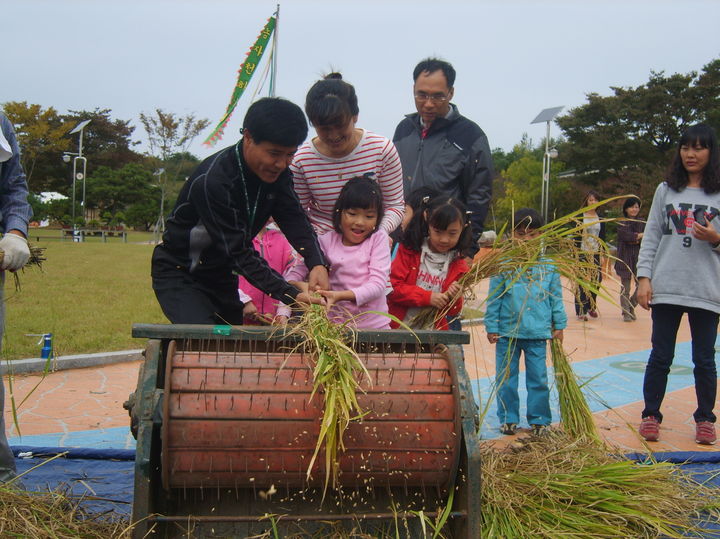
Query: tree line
(616,144)
(123,186)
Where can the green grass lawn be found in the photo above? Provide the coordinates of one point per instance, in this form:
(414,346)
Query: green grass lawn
(87,295)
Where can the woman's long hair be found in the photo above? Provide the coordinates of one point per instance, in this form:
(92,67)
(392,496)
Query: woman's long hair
(704,136)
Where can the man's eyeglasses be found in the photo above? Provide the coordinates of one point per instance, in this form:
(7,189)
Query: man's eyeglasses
(435,98)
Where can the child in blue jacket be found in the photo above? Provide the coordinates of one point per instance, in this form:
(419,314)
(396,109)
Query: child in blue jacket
(523,312)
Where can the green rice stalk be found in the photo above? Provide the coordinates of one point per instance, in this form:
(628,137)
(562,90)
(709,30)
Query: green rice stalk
(336,371)
(577,419)
(562,486)
(555,244)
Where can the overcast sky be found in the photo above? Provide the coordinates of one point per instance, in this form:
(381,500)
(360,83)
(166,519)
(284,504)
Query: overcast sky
(513,58)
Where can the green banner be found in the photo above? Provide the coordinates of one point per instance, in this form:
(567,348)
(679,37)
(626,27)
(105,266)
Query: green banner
(245,73)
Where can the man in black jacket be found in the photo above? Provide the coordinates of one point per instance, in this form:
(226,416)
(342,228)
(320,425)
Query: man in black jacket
(220,209)
(442,150)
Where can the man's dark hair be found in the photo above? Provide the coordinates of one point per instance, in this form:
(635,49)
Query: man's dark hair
(704,136)
(360,192)
(331,101)
(527,219)
(277,121)
(431,65)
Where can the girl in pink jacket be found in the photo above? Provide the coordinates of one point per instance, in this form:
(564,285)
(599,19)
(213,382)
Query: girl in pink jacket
(277,252)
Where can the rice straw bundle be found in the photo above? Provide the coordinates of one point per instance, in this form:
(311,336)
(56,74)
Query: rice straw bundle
(577,420)
(37,256)
(336,371)
(52,514)
(555,244)
(559,486)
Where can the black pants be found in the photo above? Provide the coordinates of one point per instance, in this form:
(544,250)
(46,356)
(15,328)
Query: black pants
(585,300)
(703,329)
(187,299)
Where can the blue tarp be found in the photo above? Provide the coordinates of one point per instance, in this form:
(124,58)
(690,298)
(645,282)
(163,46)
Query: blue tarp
(108,474)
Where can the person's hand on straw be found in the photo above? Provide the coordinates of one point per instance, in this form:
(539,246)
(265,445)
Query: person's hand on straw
(304,298)
(280,320)
(16,251)
(318,279)
(333,296)
(493,337)
(453,290)
(249,310)
(644,293)
(438,300)
(558,334)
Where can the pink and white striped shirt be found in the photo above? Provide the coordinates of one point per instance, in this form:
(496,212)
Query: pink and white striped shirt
(318,179)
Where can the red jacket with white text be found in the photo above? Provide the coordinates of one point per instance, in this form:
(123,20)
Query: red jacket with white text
(405,292)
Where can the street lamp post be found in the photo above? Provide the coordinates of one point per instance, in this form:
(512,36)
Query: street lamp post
(546,115)
(160,225)
(78,160)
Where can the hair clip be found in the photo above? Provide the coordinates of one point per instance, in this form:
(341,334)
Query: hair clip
(425,199)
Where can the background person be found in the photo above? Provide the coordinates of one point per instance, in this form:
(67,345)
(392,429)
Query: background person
(16,213)
(274,247)
(223,205)
(678,269)
(593,234)
(629,234)
(441,149)
(523,312)
(323,165)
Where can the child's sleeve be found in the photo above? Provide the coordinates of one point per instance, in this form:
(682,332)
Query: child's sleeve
(376,274)
(405,293)
(493,304)
(559,317)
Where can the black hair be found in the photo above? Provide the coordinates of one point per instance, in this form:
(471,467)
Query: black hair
(331,101)
(277,121)
(439,212)
(704,136)
(431,65)
(420,196)
(629,203)
(527,219)
(361,192)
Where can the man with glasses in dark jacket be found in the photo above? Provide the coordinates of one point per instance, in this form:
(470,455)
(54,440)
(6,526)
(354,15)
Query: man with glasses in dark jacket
(441,149)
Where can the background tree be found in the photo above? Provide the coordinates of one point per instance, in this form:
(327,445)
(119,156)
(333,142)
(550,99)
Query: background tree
(113,191)
(626,140)
(41,136)
(106,141)
(169,137)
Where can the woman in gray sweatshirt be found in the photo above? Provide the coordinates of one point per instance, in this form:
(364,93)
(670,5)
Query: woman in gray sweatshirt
(678,269)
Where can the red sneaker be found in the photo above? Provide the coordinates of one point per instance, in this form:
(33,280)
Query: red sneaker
(593,313)
(650,428)
(705,433)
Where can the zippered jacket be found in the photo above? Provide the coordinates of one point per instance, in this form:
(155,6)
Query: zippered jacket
(526,306)
(278,253)
(454,159)
(209,232)
(405,292)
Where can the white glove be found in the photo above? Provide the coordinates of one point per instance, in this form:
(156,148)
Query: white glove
(16,250)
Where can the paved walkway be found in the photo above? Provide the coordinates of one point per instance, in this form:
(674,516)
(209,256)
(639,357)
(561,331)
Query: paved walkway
(83,407)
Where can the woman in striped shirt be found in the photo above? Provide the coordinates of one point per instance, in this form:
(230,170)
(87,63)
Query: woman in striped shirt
(340,151)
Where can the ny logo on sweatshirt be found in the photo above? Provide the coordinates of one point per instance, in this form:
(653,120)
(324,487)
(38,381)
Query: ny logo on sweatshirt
(683,217)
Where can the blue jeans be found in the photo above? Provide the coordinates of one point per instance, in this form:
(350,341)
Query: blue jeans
(703,330)
(507,360)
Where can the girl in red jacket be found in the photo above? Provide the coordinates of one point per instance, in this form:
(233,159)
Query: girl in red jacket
(430,261)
